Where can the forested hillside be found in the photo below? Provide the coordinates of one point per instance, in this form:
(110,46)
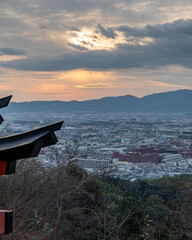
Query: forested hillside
(63,202)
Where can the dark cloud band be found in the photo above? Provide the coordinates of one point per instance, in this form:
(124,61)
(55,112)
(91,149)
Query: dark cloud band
(12,51)
(171,45)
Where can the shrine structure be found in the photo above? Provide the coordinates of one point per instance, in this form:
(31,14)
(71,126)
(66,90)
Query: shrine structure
(20,146)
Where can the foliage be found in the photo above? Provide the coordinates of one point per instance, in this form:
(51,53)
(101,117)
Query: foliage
(64,202)
(158,209)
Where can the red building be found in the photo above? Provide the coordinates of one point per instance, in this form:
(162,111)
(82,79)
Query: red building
(142,155)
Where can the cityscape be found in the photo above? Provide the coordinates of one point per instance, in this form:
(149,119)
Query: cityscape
(128,146)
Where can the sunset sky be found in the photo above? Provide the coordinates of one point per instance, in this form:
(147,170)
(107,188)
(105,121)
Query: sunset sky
(88,49)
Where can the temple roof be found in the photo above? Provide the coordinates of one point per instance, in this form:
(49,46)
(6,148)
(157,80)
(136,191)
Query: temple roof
(28,144)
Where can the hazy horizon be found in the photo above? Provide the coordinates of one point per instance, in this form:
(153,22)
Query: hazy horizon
(100,97)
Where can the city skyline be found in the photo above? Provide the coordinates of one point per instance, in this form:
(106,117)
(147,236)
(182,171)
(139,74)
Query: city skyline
(81,50)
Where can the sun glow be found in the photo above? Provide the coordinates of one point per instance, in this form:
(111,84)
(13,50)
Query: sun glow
(94,41)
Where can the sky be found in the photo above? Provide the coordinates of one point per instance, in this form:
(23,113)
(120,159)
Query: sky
(86,49)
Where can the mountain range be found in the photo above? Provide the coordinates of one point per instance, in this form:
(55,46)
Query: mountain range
(174,101)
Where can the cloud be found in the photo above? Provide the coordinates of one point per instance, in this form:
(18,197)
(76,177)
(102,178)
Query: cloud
(179,28)
(12,51)
(108,33)
(164,84)
(78,47)
(44,26)
(165,49)
(92,86)
(56,93)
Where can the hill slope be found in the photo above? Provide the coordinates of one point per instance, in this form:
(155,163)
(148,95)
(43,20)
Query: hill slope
(175,101)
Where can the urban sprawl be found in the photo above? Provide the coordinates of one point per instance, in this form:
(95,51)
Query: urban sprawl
(125,145)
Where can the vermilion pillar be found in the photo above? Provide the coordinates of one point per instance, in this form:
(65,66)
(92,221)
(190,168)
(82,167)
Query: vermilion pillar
(3,168)
(5,222)
(7,167)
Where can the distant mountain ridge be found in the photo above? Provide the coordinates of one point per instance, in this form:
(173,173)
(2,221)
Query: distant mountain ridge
(174,101)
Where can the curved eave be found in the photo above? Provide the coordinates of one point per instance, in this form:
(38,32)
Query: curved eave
(28,144)
(5,101)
